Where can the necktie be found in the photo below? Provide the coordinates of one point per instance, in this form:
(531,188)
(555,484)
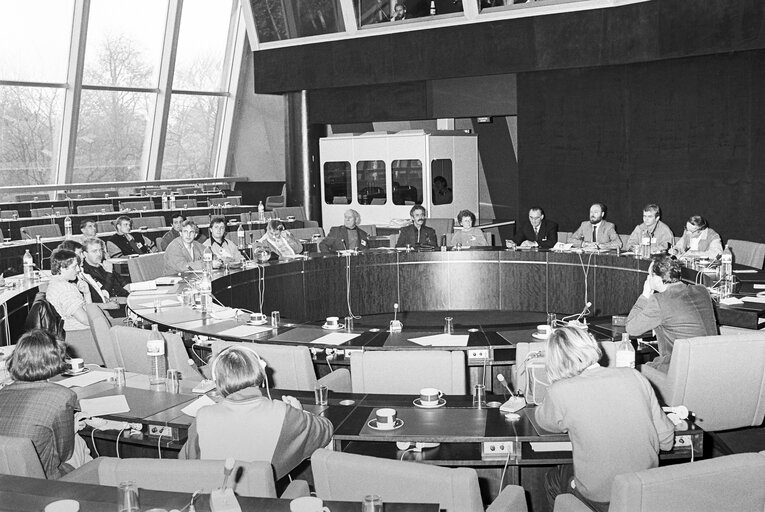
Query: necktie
(594,233)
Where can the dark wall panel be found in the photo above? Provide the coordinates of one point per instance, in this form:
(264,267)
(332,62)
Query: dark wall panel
(687,134)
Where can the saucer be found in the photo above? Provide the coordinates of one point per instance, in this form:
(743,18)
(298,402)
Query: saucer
(70,373)
(418,403)
(539,336)
(397,424)
(335,328)
(257,322)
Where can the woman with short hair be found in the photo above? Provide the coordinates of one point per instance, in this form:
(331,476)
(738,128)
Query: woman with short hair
(469,235)
(611,415)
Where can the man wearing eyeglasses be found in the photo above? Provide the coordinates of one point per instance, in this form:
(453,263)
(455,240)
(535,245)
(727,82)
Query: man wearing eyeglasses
(698,240)
(537,231)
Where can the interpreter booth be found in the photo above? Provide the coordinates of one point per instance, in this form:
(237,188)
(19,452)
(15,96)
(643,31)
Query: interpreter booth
(382,175)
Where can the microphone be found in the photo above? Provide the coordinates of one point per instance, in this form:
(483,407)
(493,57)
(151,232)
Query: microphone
(228,467)
(196,368)
(395,324)
(584,312)
(501,378)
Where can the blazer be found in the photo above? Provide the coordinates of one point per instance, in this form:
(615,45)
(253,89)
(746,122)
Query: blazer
(337,240)
(112,282)
(125,247)
(178,259)
(408,236)
(606,235)
(546,238)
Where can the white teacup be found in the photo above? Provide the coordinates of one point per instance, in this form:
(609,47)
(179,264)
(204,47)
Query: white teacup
(258,317)
(386,417)
(332,321)
(307,504)
(76,365)
(544,330)
(430,396)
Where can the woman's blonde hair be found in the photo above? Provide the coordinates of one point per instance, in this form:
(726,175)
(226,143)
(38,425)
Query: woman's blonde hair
(570,351)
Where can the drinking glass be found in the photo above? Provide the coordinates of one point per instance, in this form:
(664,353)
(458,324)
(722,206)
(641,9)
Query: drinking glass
(128,497)
(372,503)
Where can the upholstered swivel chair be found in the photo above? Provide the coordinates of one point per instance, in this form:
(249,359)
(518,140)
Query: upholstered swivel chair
(8,214)
(148,222)
(130,350)
(291,367)
(408,371)
(221,201)
(187,476)
(746,253)
(19,458)
(719,378)
(105,226)
(183,203)
(146,267)
(296,211)
(94,208)
(136,205)
(22,198)
(45,212)
(441,226)
(275,202)
(733,482)
(100,324)
(43,230)
(349,477)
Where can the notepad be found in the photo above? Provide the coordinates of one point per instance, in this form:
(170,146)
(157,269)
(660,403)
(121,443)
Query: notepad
(143,285)
(335,338)
(243,330)
(731,301)
(114,404)
(165,281)
(85,379)
(759,300)
(193,407)
(442,340)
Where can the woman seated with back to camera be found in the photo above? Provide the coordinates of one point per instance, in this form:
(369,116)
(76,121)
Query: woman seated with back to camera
(279,240)
(33,408)
(611,415)
(469,235)
(248,426)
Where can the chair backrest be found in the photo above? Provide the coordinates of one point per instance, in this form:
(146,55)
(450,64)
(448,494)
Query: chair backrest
(18,457)
(137,205)
(624,239)
(200,220)
(45,212)
(307,233)
(720,378)
(340,200)
(231,200)
(95,208)
(148,222)
(187,476)
(8,214)
(563,236)
(105,193)
(99,327)
(275,202)
(130,349)
(746,253)
(732,482)
(296,211)
(184,191)
(32,197)
(441,226)
(289,367)
(44,230)
(370,229)
(349,477)
(408,371)
(105,226)
(146,267)
(185,202)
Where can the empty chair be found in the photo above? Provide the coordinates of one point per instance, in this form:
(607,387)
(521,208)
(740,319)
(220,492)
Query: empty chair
(148,222)
(95,208)
(100,324)
(349,477)
(370,229)
(273,202)
(378,200)
(105,193)
(222,201)
(182,203)
(137,205)
(146,267)
(307,233)
(719,378)
(21,198)
(295,211)
(340,200)
(200,220)
(441,226)
(130,349)
(746,253)
(18,457)
(105,226)
(188,190)
(187,476)
(291,367)
(563,236)
(408,371)
(43,230)
(51,210)
(9,214)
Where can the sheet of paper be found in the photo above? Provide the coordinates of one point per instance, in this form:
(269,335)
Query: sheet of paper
(758,300)
(442,340)
(85,379)
(151,293)
(244,330)
(193,407)
(165,303)
(745,271)
(143,285)
(731,301)
(759,286)
(335,338)
(169,280)
(552,446)
(104,405)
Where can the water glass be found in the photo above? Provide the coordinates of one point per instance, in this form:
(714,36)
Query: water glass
(321,395)
(372,503)
(448,325)
(275,319)
(128,497)
(479,396)
(119,377)
(173,382)
(551,319)
(348,323)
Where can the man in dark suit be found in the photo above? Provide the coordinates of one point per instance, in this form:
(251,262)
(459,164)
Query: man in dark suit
(537,232)
(347,236)
(417,234)
(125,243)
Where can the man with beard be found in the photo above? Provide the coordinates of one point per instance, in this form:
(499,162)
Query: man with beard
(597,233)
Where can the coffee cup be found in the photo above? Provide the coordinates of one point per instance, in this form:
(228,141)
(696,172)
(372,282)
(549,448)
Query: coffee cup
(257,317)
(332,321)
(307,504)
(76,365)
(290,218)
(386,417)
(544,330)
(430,396)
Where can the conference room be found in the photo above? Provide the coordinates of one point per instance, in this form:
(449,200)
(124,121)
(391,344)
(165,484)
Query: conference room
(406,243)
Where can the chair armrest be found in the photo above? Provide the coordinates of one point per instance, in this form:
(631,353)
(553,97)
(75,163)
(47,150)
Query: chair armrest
(727,330)
(569,503)
(511,499)
(296,489)
(85,474)
(338,381)
(206,371)
(658,380)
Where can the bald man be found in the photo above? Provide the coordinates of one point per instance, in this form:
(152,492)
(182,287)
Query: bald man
(347,236)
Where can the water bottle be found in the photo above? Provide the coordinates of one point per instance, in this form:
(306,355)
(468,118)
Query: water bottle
(68,227)
(645,245)
(726,272)
(165,202)
(240,237)
(205,292)
(261,212)
(172,202)
(432,7)
(155,351)
(207,258)
(29,265)
(625,353)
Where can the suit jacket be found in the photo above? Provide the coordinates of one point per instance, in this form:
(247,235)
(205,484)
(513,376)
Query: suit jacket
(124,247)
(681,311)
(546,238)
(178,259)
(338,240)
(43,412)
(112,282)
(408,236)
(606,235)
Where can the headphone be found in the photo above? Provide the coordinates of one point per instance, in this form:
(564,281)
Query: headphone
(242,346)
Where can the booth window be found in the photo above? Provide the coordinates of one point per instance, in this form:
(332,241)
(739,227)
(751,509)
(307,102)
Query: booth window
(370,176)
(407,182)
(441,170)
(337,182)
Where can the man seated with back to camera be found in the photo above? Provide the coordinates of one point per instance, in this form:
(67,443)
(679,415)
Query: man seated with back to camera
(597,233)
(417,234)
(672,308)
(106,285)
(349,236)
(249,426)
(125,243)
(536,231)
(698,240)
